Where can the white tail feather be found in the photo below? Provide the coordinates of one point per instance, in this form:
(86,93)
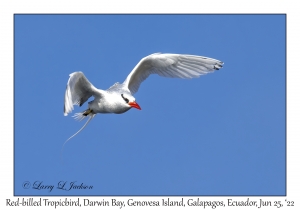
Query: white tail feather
(79,116)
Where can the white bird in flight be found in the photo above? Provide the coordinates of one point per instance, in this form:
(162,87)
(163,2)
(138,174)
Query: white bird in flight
(119,97)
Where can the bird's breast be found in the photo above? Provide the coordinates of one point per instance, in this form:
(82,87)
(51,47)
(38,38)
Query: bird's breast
(106,106)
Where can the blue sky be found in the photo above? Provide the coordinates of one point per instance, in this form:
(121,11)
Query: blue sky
(220,134)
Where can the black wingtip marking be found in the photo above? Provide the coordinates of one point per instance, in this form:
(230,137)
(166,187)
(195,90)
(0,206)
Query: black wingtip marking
(218,66)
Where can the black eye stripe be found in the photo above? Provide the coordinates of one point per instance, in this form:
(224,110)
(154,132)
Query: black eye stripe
(125,99)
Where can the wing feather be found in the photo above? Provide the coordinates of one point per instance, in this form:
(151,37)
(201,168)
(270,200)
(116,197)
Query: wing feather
(170,65)
(78,91)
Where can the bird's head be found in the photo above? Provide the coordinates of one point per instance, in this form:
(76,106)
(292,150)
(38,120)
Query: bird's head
(129,100)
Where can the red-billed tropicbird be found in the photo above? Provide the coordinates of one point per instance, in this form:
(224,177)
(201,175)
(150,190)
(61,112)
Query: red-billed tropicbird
(119,97)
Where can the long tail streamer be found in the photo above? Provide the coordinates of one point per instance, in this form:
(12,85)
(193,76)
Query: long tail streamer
(87,122)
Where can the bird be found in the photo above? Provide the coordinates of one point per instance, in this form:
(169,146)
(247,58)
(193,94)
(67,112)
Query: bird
(119,97)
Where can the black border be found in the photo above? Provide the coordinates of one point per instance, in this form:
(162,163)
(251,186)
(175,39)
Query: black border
(14,194)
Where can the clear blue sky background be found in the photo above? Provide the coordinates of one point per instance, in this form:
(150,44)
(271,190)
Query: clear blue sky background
(220,134)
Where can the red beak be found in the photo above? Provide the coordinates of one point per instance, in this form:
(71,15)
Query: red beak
(134,105)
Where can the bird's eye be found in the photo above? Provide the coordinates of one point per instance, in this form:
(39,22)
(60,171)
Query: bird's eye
(125,99)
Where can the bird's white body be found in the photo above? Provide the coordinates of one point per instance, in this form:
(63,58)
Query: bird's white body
(110,101)
(119,97)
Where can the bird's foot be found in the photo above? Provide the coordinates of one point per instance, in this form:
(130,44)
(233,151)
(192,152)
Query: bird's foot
(87,112)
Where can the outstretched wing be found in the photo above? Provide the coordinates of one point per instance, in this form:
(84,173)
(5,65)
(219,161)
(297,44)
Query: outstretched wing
(78,91)
(170,65)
